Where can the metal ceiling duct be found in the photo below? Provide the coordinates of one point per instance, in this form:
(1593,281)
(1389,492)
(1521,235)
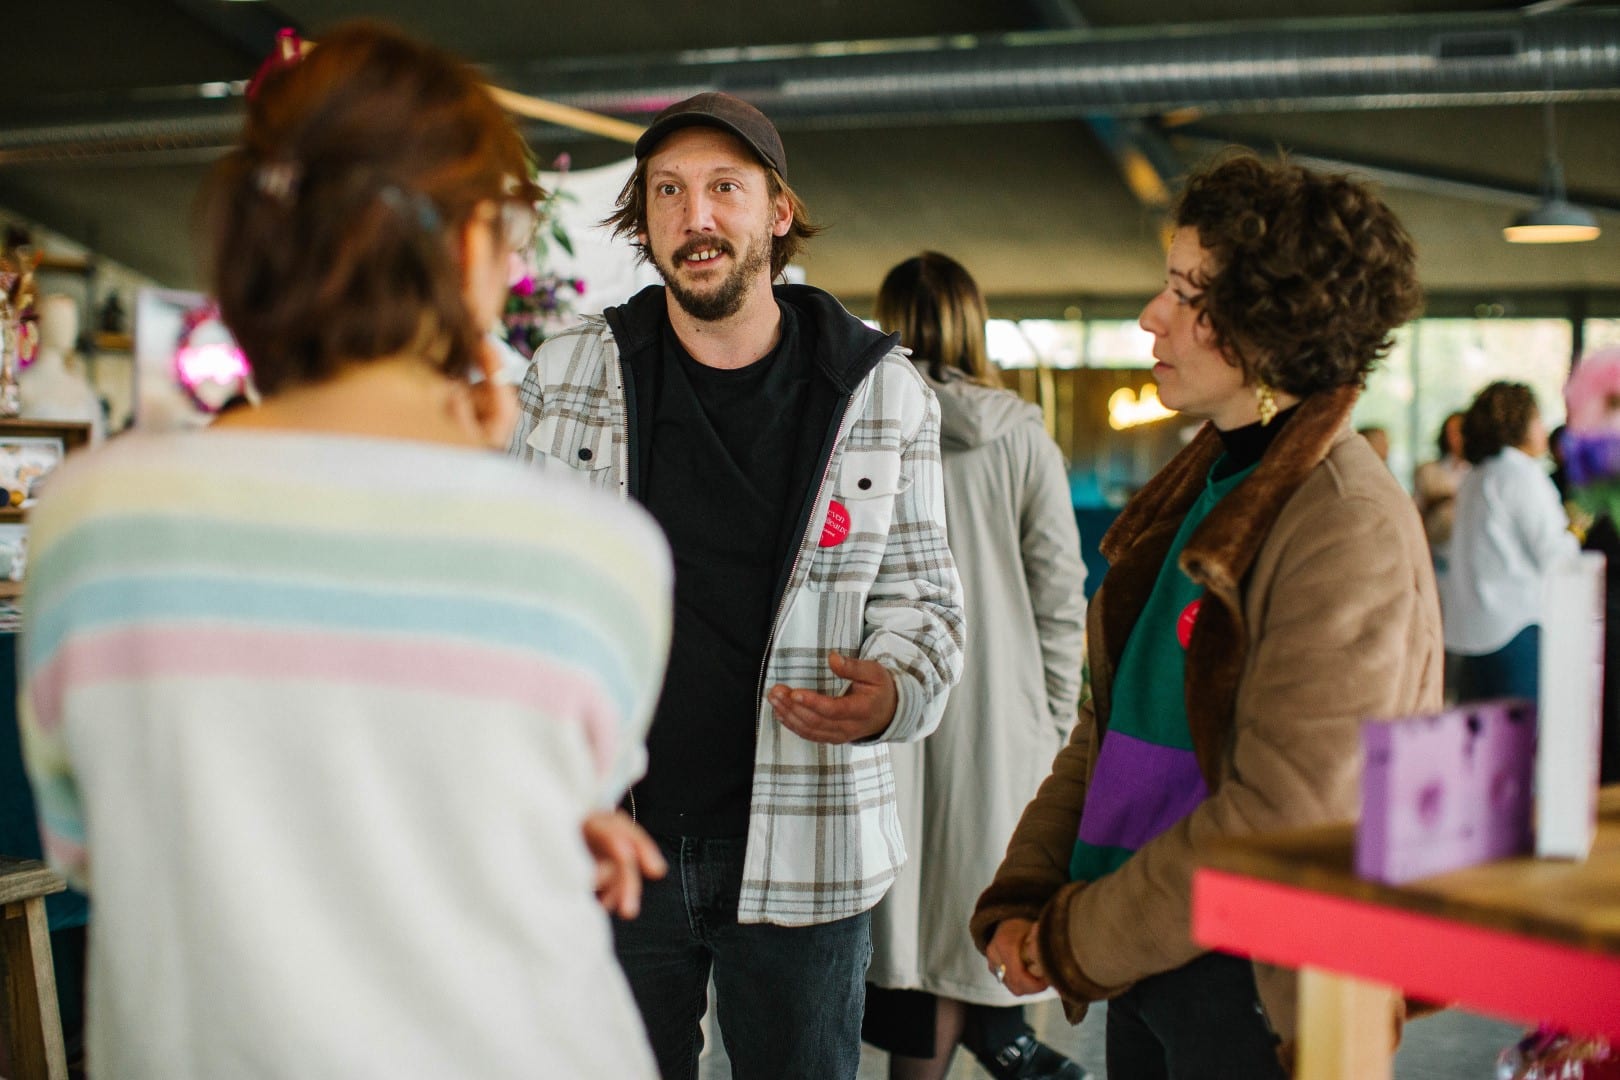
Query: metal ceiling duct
(1317,65)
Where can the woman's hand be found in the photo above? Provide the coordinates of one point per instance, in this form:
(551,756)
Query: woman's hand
(1014,958)
(624,854)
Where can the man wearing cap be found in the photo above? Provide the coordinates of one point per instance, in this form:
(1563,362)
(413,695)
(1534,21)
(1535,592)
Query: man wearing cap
(791,454)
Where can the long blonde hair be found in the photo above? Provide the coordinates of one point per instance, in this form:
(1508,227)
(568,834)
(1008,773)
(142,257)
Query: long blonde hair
(936,306)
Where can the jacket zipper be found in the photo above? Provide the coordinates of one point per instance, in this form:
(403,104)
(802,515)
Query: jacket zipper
(624,411)
(793,572)
(624,493)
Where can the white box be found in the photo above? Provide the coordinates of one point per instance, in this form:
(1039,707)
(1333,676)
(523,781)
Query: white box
(1569,741)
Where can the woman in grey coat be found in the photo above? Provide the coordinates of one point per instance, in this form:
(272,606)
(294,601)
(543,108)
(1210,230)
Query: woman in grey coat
(1012,532)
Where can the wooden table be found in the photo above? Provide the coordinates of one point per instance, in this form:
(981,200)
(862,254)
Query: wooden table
(1525,939)
(30,1024)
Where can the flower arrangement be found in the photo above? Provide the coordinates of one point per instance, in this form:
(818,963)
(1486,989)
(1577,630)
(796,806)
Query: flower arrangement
(1591,441)
(541,301)
(19,331)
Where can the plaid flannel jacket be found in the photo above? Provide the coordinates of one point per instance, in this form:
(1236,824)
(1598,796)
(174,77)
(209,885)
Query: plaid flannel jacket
(824,837)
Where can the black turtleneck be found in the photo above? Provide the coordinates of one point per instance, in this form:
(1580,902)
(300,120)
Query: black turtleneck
(1247,445)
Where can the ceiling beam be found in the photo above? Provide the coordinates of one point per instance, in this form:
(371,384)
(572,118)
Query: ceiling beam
(1144,160)
(1197,142)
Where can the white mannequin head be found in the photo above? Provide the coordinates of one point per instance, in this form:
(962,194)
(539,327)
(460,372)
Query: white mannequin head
(58,324)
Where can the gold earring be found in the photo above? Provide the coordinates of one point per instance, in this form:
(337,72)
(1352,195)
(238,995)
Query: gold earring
(1265,398)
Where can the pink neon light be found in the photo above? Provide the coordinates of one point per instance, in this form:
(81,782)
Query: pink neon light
(217,362)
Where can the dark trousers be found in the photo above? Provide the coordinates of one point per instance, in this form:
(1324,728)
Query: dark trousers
(903,1022)
(1201,1021)
(789,999)
(1511,671)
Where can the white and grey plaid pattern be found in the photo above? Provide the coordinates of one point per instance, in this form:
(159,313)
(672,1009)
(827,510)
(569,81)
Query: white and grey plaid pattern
(823,837)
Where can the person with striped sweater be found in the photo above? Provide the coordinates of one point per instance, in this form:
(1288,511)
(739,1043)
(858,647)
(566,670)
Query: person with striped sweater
(328,705)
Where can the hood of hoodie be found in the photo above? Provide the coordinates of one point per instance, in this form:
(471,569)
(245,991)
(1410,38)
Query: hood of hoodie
(972,415)
(846,349)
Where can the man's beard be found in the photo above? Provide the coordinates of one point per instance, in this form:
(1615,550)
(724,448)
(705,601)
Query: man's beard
(726,299)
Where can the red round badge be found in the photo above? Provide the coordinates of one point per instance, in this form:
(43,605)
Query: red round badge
(836,530)
(1188,619)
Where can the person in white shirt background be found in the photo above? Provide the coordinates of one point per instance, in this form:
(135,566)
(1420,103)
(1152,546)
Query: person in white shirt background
(1510,529)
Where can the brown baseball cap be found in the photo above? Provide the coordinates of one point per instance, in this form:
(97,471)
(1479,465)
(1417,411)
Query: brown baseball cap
(718,110)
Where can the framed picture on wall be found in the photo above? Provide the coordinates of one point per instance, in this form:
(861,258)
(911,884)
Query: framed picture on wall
(26,461)
(30,450)
(13,551)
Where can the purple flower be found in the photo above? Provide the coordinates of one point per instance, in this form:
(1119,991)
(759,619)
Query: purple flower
(1591,456)
(524,286)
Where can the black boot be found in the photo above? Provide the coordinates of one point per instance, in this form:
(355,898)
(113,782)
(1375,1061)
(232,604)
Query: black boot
(1026,1058)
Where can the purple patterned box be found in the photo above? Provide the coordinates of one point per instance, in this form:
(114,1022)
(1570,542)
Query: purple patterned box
(1446,791)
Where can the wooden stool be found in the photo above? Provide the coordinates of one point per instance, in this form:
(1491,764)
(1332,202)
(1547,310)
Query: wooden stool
(30,1024)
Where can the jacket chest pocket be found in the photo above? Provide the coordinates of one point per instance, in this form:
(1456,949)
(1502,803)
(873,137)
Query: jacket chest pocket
(855,531)
(585,447)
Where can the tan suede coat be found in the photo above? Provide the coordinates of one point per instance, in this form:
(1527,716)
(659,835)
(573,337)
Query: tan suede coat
(1321,611)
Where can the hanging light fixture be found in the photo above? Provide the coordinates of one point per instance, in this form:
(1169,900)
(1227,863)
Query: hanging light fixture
(1556,220)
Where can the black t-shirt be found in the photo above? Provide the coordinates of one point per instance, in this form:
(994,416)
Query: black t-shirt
(721,480)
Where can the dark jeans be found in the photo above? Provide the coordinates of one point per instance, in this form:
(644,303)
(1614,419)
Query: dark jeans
(789,999)
(1201,1021)
(1511,671)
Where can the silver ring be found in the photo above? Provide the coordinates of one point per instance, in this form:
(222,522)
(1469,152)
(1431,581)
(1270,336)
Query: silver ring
(1001,974)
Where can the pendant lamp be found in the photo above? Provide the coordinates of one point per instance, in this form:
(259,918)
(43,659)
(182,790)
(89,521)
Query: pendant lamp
(1556,220)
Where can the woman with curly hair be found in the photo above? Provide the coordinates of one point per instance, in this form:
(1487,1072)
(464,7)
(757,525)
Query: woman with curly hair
(1510,528)
(1268,590)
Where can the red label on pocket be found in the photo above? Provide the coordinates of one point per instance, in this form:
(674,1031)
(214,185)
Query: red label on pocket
(1188,619)
(836,529)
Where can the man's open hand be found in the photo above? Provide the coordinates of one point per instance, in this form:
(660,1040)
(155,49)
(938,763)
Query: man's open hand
(864,710)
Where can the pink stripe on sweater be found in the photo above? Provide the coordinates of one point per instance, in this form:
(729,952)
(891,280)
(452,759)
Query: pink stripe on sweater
(528,680)
(64,854)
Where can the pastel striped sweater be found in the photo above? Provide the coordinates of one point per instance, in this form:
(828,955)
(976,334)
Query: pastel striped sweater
(316,720)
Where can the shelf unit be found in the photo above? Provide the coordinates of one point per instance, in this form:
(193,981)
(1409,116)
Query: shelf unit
(73,436)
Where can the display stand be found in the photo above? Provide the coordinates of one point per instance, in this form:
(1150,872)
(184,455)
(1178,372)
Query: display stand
(30,1025)
(1534,940)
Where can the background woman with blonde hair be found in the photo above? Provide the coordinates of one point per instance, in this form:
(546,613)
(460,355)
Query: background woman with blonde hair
(1012,532)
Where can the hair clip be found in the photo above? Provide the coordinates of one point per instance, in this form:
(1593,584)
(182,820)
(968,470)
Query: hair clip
(277,180)
(287,51)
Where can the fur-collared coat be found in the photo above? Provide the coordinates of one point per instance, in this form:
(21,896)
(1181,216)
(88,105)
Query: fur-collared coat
(1320,611)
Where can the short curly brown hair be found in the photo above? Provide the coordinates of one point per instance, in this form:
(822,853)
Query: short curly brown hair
(1308,273)
(1499,417)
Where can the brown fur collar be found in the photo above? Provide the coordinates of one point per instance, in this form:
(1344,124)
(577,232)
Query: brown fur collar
(1218,556)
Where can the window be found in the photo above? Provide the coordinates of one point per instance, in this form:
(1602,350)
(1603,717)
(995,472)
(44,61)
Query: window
(1438,365)
(1601,333)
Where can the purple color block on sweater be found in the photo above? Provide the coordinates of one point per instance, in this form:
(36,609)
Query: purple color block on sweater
(1138,790)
